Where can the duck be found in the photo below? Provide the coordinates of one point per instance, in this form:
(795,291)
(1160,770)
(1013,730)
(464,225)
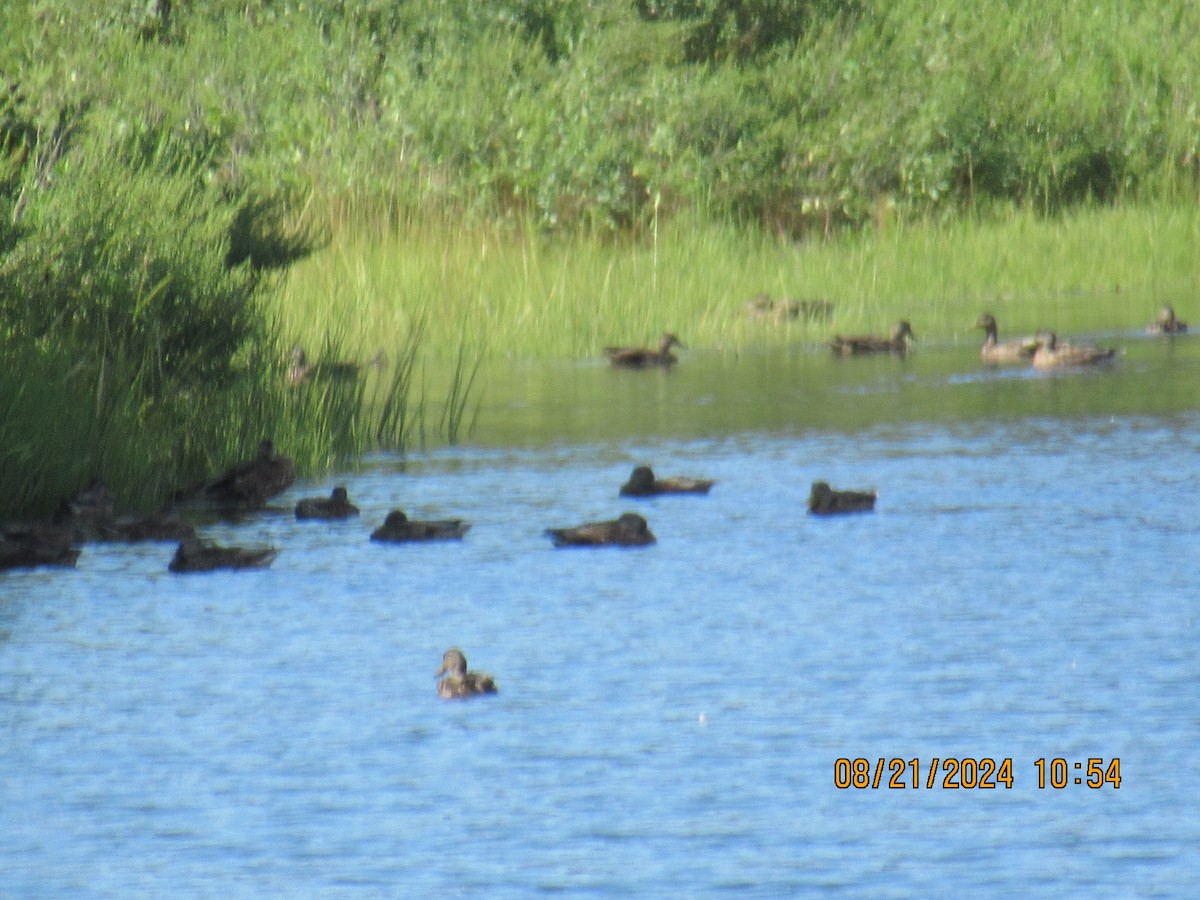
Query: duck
(1050,355)
(858,345)
(90,515)
(762,306)
(643,357)
(247,485)
(195,555)
(630,530)
(399,527)
(88,511)
(824,501)
(300,370)
(642,483)
(994,351)
(30,546)
(1166,323)
(456,683)
(336,506)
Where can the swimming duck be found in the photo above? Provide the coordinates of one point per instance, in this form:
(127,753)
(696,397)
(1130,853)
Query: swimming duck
(336,506)
(300,370)
(247,485)
(824,501)
(1166,323)
(28,546)
(630,530)
(762,306)
(1050,355)
(643,357)
(399,527)
(204,556)
(995,351)
(88,511)
(857,345)
(456,683)
(642,483)
(90,516)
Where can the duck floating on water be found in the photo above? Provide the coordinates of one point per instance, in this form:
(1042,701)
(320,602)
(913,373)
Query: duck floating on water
(336,506)
(642,483)
(247,485)
(90,515)
(824,500)
(858,345)
(456,683)
(630,530)
(644,357)
(1167,323)
(300,370)
(995,352)
(1051,355)
(31,546)
(399,527)
(204,556)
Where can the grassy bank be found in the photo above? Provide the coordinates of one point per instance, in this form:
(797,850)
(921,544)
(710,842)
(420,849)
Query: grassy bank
(520,294)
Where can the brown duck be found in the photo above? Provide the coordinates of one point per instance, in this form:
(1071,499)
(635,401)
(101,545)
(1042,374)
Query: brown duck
(300,370)
(90,515)
(644,357)
(247,485)
(642,483)
(996,352)
(399,527)
(1051,355)
(456,683)
(630,530)
(858,345)
(336,506)
(824,501)
(1166,323)
(204,556)
(29,546)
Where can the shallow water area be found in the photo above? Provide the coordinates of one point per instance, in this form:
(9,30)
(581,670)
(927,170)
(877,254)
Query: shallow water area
(669,718)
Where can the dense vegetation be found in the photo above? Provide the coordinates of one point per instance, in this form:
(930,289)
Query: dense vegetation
(163,163)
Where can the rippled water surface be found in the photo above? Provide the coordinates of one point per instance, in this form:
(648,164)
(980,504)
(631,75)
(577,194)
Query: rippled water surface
(669,718)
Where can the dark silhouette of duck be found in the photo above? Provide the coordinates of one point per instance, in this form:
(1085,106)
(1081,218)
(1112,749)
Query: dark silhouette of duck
(456,683)
(30,546)
(336,506)
(247,485)
(204,556)
(630,530)
(642,483)
(1167,323)
(996,352)
(399,527)
(89,514)
(1052,355)
(824,501)
(858,345)
(644,357)
(762,306)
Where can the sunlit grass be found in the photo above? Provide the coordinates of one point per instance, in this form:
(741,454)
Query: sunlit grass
(513,295)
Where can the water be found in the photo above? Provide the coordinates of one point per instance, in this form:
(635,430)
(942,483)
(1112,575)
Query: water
(669,718)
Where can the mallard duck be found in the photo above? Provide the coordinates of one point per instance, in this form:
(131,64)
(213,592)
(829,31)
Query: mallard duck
(300,370)
(995,351)
(456,683)
(643,357)
(204,556)
(248,485)
(857,345)
(161,527)
(642,483)
(28,546)
(88,511)
(90,516)
(824,501)
(761,306)
(399,527)
(1166,323)
(630,530)
(336,506)
(1050,355)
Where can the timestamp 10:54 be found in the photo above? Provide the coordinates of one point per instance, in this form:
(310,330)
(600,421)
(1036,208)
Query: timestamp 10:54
(1058,773)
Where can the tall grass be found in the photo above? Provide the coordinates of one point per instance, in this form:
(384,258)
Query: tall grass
(537,297)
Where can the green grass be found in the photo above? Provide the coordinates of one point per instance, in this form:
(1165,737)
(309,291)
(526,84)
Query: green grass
(524,296)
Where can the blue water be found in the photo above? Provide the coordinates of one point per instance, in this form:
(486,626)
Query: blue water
(669,718)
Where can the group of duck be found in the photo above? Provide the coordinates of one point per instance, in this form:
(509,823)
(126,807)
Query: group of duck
(1042,350)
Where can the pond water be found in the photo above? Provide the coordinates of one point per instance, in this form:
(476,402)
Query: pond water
(669,718)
